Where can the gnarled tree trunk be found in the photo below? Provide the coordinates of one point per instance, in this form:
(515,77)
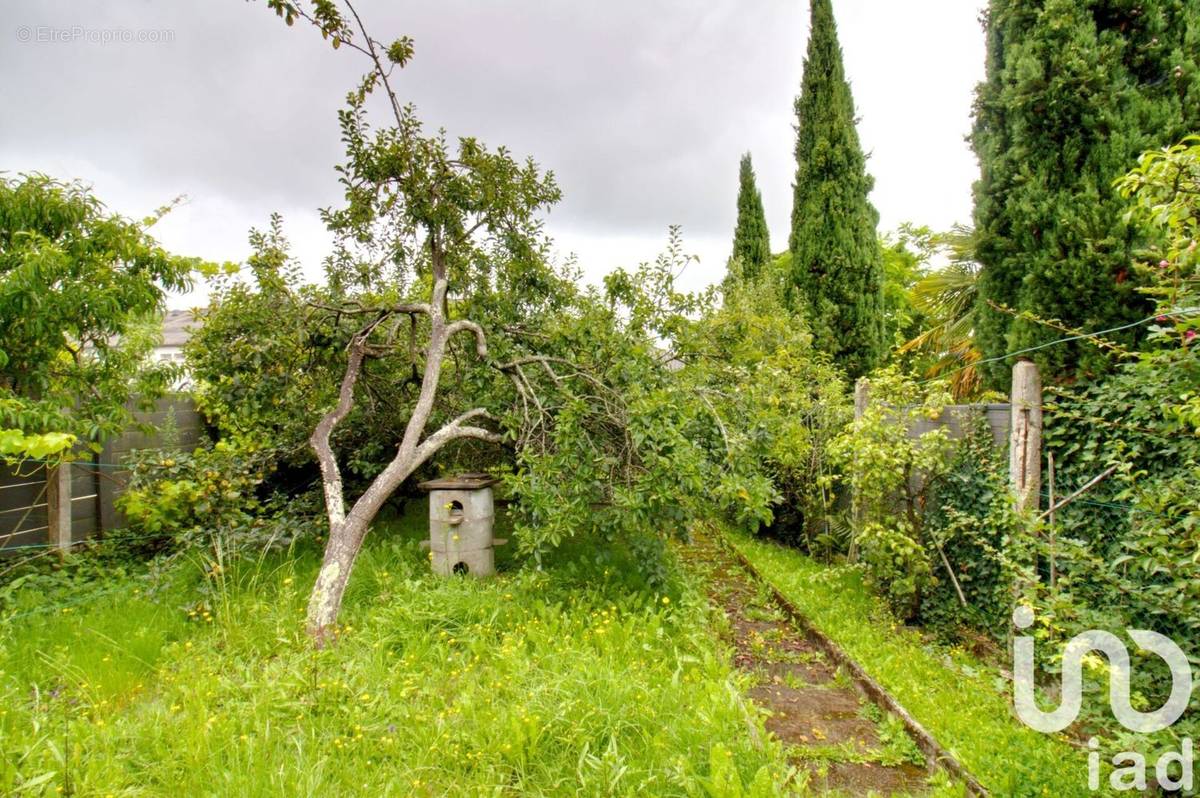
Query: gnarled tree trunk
(420,201)
(347,531)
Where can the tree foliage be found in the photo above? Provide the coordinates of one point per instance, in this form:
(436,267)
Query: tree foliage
(80,291)
(946,300)
(836,271)
(780,402)
(1130,544)
(439,279)
(905,261)
(259,369)
(1075,91)
(888,471)
(751,238)
(1122,554)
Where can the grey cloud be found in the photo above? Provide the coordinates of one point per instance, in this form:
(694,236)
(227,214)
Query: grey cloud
(640,108)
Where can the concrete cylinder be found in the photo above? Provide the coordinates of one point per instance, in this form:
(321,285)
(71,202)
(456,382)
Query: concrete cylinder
(461,523)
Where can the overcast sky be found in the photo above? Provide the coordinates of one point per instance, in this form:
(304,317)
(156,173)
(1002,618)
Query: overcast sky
(640,107)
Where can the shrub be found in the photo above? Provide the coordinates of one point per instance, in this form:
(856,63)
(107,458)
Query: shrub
(889,471)
(214,493)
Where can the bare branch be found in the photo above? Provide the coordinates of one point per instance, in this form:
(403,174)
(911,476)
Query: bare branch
(331,476)
(357,309)
(478,433)
(720,424)
(478,412)
(551,373)
(470,231)
(526,360)
(434,356)
(532,393)
(454,430)
(383,72)
(545,360)
(1093,482)
(461,325)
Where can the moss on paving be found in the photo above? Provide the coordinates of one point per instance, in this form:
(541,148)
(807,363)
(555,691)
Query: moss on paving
(961,701)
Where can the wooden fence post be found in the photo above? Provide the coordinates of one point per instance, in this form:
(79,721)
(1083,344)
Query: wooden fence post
(58,506)
(1025,437)
(1025,457)
(862,399)
(862,396)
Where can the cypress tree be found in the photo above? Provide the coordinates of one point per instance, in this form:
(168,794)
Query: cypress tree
(751,239)
(837,271)
(1075,90)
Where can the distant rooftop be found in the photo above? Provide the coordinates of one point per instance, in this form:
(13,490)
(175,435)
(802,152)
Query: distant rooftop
(177,327)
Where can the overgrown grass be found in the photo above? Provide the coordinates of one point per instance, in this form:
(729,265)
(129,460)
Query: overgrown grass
(569,681)
(960,701)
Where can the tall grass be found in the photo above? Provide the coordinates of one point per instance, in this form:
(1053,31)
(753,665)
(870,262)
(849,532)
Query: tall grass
(576,680)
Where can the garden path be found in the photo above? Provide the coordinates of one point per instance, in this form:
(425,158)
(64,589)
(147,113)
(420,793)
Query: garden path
(844,743)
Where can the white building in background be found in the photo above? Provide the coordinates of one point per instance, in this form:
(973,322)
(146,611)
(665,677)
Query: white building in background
(177,329)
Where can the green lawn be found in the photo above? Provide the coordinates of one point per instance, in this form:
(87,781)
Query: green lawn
(573,680)
(567,681)
(958,699)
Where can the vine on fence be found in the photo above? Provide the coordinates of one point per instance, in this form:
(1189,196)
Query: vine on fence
(889,472)
(1125,554)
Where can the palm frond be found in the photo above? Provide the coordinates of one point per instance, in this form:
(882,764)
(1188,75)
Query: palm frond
(947,297)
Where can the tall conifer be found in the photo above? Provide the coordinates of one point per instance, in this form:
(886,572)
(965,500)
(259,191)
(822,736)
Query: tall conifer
(1075,90)
(837,271)
(751,239)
